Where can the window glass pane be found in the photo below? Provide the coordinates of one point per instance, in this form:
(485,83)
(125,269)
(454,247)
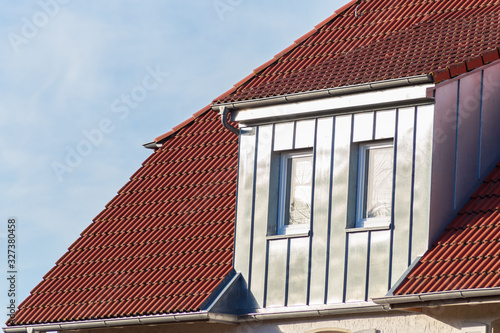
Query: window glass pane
(378,183)
(299,205)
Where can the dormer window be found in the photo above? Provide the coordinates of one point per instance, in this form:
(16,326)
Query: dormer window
(296,170)
(375,175)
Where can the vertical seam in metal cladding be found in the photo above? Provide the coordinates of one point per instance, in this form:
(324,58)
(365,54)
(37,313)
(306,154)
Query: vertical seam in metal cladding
(368,254)
(329,220)
(346,264)
(294,135)
(346,235)
(266,269)
(311,235)
(456,147)
(480,126)
(287,273)
(412,194)
(252,218)
(393,222)
(264,301)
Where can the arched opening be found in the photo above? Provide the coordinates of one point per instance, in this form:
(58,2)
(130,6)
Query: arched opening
(495,326)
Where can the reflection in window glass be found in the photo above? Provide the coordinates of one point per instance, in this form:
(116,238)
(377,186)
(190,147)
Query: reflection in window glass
(378,182)
(376,172)
(295,195)
(299,183)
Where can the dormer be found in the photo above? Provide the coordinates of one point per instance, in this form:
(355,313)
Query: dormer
(350,168)
(340,191)
(325,193)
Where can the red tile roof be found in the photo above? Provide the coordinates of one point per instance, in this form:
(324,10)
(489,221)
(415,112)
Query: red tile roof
(160,246)
(467,255)
(374,40)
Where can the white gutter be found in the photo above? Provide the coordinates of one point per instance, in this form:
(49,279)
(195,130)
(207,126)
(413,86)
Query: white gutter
(441,298)
(204,316)
(139,320)
(331,92)
(318,312)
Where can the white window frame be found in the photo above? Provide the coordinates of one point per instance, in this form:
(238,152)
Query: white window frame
(284,192)
(362,222)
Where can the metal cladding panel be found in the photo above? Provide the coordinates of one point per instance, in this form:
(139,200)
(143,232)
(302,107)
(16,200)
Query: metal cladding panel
(298,271)
(363,127)
(277,273)
(148,250)
(387,41)
(338,221)
(379,266)
(284,134)
(357,266)
(263,174)
(443,159)
(403,183)
(490,119)
(304,133)
(469,112)
(385,124)
(321,210)
(422,180)
(244,213)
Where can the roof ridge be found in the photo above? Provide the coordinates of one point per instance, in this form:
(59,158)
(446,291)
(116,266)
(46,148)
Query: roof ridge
(465,66)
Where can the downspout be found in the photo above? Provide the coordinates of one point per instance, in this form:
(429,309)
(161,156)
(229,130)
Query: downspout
(223,112)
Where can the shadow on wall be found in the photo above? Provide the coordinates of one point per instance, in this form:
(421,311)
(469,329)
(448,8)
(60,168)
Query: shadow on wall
(257,326)
(458,316)
(197,327)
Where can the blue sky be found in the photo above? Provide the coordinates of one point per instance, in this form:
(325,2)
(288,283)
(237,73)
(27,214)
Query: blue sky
(70,137)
